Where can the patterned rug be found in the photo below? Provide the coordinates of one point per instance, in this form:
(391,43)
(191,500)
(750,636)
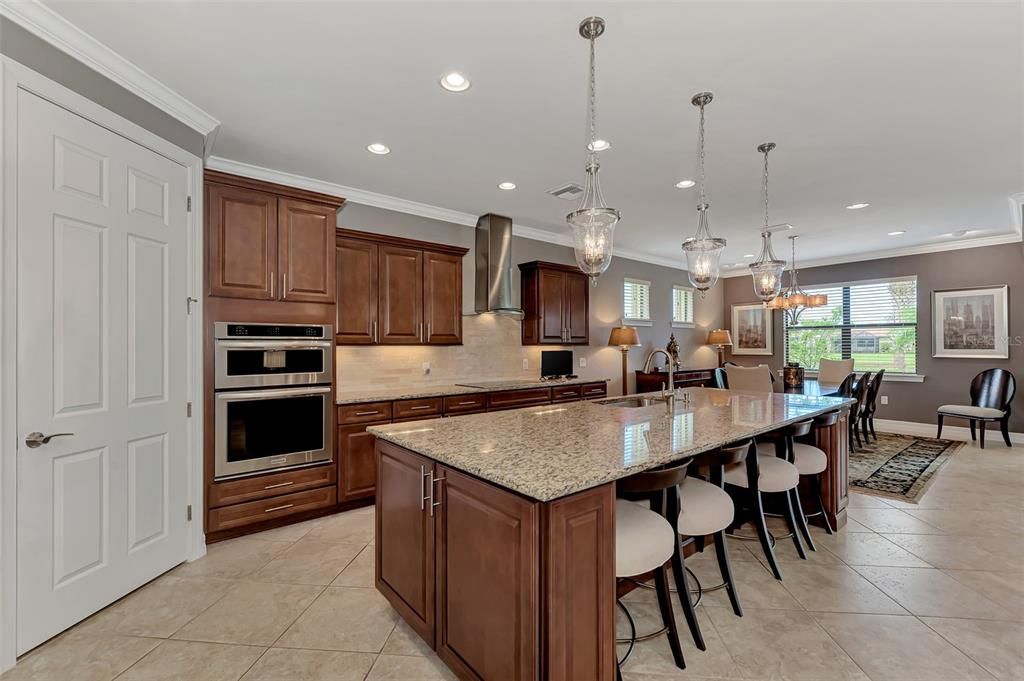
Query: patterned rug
(899,466)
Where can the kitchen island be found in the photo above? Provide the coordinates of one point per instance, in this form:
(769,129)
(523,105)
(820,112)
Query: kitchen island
(495,532)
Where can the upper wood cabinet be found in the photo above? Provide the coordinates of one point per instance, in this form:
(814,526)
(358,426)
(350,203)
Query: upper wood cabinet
(394,291)
(556,304)
(269,242)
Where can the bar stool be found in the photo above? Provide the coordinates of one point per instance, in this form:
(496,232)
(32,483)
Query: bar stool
(812,462)
(784,447)
(645,541)
(764,474)
(706,509)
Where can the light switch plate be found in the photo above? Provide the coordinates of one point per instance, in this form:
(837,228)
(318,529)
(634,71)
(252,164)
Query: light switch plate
(426,368)
(526,363)
(583,362)
(885,399)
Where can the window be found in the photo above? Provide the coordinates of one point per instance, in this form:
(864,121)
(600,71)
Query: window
(636,300)
(682,306)
(872,322)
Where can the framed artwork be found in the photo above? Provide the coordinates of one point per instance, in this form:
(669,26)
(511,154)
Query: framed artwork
(971,323)
(751,329)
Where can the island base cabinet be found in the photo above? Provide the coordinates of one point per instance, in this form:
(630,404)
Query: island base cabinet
(503,587)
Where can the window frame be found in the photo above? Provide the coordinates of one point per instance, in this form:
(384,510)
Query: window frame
(638,321)
(847,327)
(682,323)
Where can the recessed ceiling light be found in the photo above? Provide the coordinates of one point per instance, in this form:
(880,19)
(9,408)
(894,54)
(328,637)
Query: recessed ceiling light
(898,232)
(378,148)
(454,82)
(599,145)
(507,186)
(685,184)
(857,206)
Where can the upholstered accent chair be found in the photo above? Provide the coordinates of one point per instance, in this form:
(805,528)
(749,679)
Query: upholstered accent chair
(751,379)
(833,371)
(992,392)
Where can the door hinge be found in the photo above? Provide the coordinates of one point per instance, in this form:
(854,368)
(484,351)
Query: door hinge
(188,304)
(188,409)
(188,204)
(188,513)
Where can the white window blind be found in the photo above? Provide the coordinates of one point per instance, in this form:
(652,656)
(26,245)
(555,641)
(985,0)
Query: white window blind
(872,322)
(682,305)
(636,300)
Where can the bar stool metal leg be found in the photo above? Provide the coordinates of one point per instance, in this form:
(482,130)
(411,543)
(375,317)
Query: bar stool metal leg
(762,533)
(722,551)
(791,523)
(821,505)
(665,605)
(801,519)
(683,589)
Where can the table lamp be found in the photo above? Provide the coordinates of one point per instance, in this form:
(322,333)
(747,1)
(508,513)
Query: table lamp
(625,337)
(721,338)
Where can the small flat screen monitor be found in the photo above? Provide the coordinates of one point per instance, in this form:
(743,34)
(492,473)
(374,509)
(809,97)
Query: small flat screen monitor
(555,363)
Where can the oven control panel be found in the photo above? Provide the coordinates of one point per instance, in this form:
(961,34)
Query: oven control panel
(225,330)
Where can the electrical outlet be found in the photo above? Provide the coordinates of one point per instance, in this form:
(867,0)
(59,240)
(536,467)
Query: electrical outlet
(583,362)
(526,364)
(426,368)
(885,399)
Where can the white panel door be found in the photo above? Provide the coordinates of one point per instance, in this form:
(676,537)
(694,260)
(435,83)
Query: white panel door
(101,363)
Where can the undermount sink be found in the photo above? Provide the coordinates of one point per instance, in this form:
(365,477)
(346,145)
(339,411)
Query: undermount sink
(633,402)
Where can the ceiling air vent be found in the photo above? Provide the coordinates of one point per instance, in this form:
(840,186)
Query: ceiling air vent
(567,192)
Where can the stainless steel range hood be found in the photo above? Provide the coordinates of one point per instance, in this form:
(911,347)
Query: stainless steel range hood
(494,265)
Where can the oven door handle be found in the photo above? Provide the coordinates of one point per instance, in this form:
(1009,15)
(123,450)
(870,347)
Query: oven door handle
(273,345)
(270,394)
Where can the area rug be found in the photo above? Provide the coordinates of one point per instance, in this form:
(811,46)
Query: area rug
(899,466)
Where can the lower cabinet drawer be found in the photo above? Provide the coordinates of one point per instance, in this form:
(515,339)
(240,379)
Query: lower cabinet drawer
(514,399)
(417,408)
(594,390)
(240,515)
(565,393)
(462,404)
(262,486)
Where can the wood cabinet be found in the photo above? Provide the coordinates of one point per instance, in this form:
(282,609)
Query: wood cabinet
(503,587)
(556,304)
(394,291)
(269,242)
(358,475)
(651,381)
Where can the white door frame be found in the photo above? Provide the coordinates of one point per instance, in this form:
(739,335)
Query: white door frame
(15,76)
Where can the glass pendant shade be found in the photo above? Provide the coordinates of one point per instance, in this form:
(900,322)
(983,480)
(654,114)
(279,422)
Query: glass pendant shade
(593,222)
(767,270)
(703,253)
(817,300)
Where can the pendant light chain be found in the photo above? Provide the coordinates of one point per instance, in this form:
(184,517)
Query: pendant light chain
(592,102)
(766,188)
(700,146)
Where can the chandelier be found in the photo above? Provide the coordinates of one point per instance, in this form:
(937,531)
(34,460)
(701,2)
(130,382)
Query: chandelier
(793,300)
(702,249)
(767,269)
(593,223)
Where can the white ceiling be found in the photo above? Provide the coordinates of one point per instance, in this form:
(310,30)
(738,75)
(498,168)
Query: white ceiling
(917,108)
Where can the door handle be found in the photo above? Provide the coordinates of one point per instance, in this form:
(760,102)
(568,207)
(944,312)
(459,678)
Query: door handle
(272,278)
(284,286)
(433,503)
(37,439)
(424,474)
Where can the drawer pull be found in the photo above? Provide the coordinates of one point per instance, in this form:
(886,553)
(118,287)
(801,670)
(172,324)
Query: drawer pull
(280,484)
(468,403)
(277,508)
(424,406)
(366,413)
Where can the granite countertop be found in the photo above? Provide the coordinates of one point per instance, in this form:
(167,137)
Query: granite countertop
(386,394)
(552,451)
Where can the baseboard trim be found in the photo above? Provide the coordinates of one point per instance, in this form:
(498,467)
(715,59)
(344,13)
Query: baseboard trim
(948,432)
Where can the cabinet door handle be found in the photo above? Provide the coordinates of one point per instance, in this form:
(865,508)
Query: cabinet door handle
(374,336)
(280,484)
(424,474)
(434,504)
(467,403)
(428,332)
(421,407)
(277,508)
(366,413)
(272,278)
(284,286)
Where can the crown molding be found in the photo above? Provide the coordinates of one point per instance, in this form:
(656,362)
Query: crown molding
(377,200)
(46,24)
(1017,212)
(940,247)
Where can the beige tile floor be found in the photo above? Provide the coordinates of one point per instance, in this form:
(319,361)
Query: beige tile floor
(911,592)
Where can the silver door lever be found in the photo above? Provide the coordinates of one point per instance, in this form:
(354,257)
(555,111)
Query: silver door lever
(37,439)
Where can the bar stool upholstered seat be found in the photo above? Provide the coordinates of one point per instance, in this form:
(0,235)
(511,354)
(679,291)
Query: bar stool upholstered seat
(776,475)
(704,508)
(644,540)
(808,459)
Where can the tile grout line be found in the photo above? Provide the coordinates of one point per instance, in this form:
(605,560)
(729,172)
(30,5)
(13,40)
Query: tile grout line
(954,645)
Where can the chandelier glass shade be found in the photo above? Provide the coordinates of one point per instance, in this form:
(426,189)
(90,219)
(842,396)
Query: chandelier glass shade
(767,270)
(593,222)
(794,300)
(703,250)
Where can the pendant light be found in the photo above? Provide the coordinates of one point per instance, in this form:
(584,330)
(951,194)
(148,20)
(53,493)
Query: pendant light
(593,223)
(767,270)
(793,300)
(703,250)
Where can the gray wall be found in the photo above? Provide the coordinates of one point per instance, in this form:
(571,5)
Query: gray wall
(605,298)
(38,55)
(946,380)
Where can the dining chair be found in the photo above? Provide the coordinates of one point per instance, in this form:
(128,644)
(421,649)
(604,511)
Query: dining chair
(751,379)
(992,392)
(833,371)
(860,392)
(867,417)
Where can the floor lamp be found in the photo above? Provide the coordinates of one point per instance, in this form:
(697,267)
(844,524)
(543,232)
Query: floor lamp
(625,337)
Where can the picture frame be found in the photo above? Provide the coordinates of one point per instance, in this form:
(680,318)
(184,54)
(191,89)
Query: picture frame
(971,323)
(752,329)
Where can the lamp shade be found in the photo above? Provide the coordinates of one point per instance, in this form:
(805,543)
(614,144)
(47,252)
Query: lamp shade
(623,336)
(719,337)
